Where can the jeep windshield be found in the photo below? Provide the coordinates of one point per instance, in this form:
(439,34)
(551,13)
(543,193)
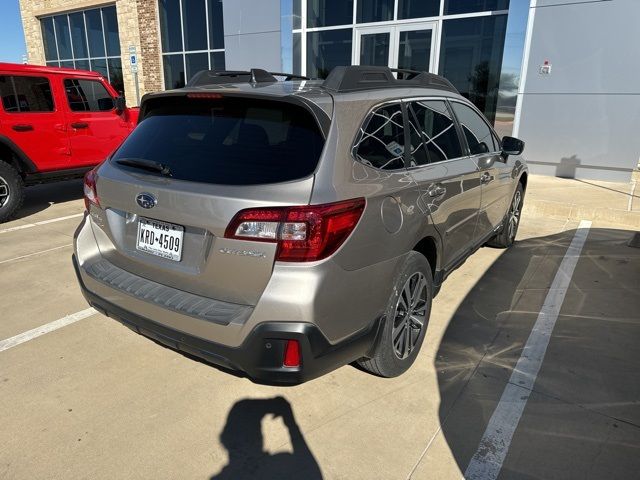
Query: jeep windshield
(226,140)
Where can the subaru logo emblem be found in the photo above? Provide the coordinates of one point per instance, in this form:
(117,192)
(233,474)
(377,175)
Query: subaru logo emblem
(146,200)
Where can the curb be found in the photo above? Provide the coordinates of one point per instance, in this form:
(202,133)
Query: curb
(571,211)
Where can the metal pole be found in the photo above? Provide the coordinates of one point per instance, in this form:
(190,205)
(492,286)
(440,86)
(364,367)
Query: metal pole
(135,77)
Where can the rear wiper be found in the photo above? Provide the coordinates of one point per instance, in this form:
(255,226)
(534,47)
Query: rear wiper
(145,164)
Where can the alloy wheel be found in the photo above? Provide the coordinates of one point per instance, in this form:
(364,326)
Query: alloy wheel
(514,215)
(410,315)
(5,193)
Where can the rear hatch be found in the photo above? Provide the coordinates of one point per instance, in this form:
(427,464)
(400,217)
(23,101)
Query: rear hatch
(170,191)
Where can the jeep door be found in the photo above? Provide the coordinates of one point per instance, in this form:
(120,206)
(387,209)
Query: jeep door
(33,120)
(448,178)
(495,172)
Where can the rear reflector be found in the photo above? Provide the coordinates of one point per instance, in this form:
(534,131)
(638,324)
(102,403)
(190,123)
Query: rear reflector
(304,234)
(291,354)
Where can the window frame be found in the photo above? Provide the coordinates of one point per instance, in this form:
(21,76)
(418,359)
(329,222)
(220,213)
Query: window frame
(466,148)
(64,88)
(42,112)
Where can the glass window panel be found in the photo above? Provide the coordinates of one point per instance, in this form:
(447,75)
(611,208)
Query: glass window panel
(115,74)
(94,33)
(26,94)
(217,61)
(452,7)
(173,71)
(62,34)
(195,25)
(100,65)
(195,63)
(415,50)
(54,63)
(111,31)
(170,30)
(419,8)
(67,64)
(323,13)
(374,10)
(475,129)
(297,14)
(374,49)
(327,49)
(435,131)
(216,28)
(381,143)
(297,53)
(83,65)
(49,39)
(471,58)
(78,36)
(87,96)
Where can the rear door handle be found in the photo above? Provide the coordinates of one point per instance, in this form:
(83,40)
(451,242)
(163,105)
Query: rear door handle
(22,127)
(485,178)
(436,191)
(79,125)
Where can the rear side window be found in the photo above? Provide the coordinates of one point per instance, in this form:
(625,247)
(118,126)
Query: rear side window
(437,131)
(25,94)
(87,96)
(228,141)
(475,128)
(381,142)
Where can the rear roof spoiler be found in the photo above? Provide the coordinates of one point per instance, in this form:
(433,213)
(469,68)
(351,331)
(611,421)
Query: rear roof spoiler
(255,75)
(358,77)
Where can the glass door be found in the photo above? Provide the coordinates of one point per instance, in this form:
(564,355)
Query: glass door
(409,46)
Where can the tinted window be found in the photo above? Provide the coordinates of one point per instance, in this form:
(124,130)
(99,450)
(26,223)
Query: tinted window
(26,94)
(170,31)
(475,129)
(195,25)
(326,50)
(49,39)
(87,96)
(62,34)
(381,142)
(414,51)
(173,71)
(115,74)
(217,61)
(229,141)
(216,27)
(94,33)
(78,35)
(111,36)
(467,6)
(418,8)
(297,14)
(437,131)
(374,11)
(374,49)
(323,13)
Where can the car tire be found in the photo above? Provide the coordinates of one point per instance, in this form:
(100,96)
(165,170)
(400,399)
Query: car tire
(511,222)
(400,340)
(11,191)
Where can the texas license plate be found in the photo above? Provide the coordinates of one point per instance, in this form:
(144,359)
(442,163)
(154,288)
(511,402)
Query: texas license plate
(160,238)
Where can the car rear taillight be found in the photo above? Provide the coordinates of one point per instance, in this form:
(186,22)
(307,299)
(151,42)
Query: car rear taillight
(90,192)
(303,234)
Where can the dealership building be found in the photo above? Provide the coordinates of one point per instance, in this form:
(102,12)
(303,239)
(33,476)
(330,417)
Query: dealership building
(563,75)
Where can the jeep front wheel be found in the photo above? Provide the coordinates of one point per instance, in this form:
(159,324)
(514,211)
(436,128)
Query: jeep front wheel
(11,191)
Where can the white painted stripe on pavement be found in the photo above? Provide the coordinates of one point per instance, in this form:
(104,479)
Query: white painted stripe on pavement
(46,328)
(42,222)
(35,253)
(487,462)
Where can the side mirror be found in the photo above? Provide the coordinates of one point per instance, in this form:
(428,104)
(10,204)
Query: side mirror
(512,146)
(121,105)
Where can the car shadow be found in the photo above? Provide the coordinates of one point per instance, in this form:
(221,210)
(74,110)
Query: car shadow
(243,439)
(487,333)
(40,197)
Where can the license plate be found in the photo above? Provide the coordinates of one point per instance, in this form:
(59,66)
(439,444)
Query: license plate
(160,238)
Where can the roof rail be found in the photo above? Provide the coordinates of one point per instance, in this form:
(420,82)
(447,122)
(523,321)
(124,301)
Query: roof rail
(255,75)
(361,77)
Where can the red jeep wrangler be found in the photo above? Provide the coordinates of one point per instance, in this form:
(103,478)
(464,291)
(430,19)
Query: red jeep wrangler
(55,124)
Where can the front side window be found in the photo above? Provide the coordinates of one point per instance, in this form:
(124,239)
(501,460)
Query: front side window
(25,94)
(436,132)
(87,96)
(478,134)
(381,142)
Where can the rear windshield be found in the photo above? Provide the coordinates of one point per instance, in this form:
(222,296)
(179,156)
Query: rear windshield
(229,141)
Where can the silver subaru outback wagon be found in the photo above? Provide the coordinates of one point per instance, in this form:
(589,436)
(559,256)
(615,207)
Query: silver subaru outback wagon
(286,228)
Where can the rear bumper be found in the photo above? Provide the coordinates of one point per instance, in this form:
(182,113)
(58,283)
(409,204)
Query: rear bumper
(261,354)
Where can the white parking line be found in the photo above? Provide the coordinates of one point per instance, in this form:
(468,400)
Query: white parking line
(46,328)
(487,462)
(35,253)
(43,222)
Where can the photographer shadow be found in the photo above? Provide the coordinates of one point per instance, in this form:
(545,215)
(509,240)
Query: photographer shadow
(243,439)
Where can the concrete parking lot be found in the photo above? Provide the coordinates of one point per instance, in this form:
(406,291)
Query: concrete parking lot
(94,400)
